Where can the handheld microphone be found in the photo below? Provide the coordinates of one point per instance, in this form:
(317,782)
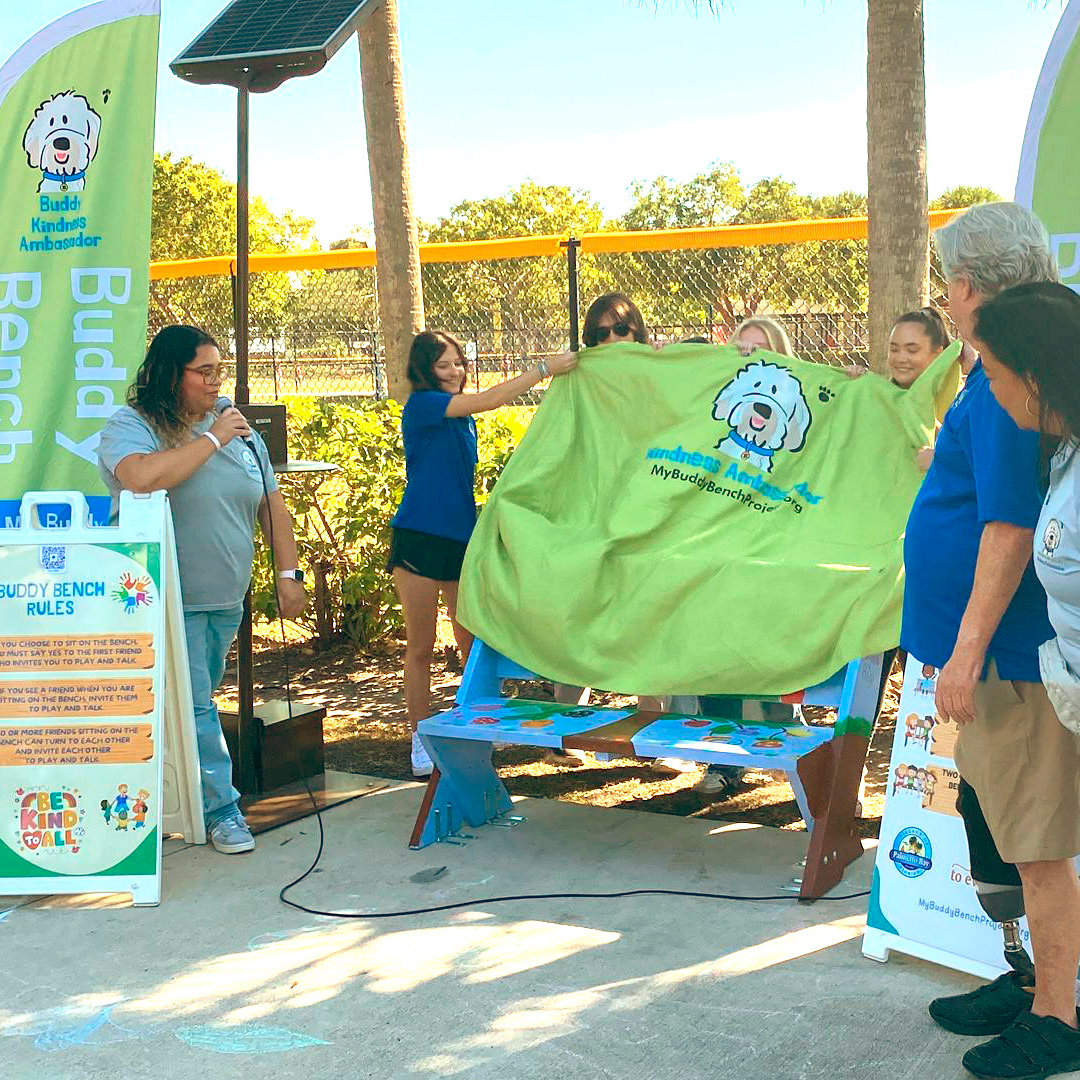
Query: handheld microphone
(224,402)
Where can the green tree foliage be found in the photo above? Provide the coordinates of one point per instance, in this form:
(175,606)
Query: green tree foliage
(193,216)
(713,197)
(500,303)
(720,286)
(964,195)
(343,521)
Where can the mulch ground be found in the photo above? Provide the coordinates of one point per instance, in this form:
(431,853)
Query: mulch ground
(366,731)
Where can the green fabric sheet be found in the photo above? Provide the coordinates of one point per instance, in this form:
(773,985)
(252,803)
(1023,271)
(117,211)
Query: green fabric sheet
(690,520)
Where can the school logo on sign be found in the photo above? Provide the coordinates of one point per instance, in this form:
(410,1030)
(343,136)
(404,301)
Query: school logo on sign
(912,852)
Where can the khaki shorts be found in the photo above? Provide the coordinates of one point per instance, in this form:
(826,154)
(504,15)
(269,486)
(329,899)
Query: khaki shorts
(1025,768)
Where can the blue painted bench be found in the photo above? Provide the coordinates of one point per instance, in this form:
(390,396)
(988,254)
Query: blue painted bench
(824,765)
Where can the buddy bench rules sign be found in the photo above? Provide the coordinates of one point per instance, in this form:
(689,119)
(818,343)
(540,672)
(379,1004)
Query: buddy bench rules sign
(81,645)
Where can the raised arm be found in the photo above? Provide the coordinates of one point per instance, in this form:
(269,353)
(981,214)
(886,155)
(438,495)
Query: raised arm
(504,393)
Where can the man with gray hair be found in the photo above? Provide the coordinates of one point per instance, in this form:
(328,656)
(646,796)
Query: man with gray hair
(974,609)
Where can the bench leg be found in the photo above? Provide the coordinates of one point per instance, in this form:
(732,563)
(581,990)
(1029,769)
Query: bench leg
(830,777)
(464,789)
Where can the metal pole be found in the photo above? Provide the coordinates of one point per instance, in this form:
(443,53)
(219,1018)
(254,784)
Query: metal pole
(241,308)
(572,245)
(245,734)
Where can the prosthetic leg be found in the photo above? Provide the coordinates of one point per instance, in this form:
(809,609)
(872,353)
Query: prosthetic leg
(997,883)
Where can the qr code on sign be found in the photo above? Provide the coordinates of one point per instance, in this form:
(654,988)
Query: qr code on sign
(53,558)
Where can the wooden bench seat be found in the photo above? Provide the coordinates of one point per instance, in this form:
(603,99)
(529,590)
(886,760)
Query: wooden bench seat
(823,764)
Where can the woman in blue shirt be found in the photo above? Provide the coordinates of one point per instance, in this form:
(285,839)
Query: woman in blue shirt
(437,513)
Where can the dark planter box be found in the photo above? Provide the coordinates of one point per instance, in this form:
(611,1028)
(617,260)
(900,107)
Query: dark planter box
(276,754)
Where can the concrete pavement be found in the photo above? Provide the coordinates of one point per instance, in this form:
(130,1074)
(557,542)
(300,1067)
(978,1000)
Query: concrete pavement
(224,981)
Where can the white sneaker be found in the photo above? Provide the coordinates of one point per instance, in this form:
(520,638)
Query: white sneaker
(231,836)
(421,763)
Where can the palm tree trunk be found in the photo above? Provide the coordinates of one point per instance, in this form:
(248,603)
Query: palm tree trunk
(401,299)
(896,167)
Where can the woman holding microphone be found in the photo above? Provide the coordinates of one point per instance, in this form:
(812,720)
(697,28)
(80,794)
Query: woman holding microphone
(174,435)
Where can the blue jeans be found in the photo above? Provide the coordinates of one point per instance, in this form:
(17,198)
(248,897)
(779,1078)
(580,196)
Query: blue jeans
(209,635)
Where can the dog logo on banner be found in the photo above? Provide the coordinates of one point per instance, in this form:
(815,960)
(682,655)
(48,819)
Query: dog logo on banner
(61,141)
(765,408)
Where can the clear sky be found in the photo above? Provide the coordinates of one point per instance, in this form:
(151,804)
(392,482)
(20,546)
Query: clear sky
(597,93)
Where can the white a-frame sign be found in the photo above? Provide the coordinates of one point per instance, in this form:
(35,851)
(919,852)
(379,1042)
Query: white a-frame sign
(97,744)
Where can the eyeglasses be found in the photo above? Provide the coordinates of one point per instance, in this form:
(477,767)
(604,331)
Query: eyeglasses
(212,376)
(619,329)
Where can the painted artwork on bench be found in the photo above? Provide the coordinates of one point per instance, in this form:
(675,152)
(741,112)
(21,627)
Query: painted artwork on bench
(518,720)
(701,738)
(768,744)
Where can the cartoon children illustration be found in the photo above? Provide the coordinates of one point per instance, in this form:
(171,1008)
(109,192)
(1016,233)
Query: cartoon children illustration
(120,807)
(909,727)
(139,808)
(925,685)
(928,786)
(901,778)
(106,810)
(928,724)
(920,781)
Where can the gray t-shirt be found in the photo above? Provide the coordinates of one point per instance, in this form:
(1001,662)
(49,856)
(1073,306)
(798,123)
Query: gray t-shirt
(1057,551)
(214,510)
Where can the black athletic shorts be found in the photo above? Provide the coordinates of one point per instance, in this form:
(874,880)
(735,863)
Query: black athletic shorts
(429,556)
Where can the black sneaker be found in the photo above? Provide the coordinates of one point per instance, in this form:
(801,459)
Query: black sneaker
(1030,1048)
(989,1010)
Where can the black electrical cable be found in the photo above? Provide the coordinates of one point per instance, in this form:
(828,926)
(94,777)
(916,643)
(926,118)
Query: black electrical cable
(481,901)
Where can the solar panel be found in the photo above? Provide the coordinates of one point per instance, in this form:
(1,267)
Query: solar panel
(261,43)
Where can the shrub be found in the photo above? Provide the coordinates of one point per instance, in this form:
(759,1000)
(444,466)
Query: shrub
(342,520)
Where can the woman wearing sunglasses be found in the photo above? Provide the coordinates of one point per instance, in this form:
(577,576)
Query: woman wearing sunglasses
(611,319)
(174,434)
(614,319)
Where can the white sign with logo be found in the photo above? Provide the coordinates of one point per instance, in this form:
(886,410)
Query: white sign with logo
(94,692)
(923,901)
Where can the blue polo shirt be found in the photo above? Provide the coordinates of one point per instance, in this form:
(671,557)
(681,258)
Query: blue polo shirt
(985,469)
(440,465)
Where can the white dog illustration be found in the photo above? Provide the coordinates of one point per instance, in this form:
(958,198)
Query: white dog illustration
(62,140)
(765,407)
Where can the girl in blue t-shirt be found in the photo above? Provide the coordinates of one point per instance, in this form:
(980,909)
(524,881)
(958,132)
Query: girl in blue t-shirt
(437,512)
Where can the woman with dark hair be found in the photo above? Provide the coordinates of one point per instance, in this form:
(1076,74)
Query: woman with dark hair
(613,318)
(1024,764)
(175,434)
(438,510)
(917,339)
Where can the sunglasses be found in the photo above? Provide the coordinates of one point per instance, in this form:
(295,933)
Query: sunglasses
(619,329)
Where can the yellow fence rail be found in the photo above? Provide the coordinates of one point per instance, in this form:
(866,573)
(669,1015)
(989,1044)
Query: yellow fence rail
(516,247)
(314,315)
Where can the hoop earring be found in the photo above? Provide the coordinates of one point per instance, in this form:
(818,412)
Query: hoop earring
(1027,409)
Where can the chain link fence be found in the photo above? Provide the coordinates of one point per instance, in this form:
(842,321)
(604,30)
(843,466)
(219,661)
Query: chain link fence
(314,328)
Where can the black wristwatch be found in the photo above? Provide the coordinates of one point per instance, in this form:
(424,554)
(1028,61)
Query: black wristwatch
(296,575)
